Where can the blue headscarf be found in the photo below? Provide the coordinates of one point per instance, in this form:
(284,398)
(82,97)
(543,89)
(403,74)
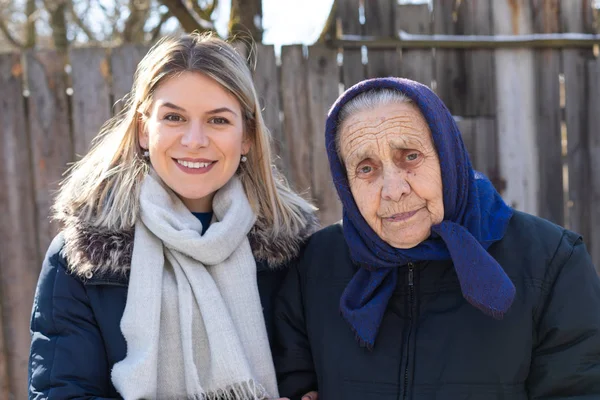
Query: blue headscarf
(475,216)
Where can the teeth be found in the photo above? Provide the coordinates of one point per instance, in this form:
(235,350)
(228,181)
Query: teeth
(189,164)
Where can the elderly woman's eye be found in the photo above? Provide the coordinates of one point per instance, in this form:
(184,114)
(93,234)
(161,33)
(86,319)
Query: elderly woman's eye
(412,157)
(365,169)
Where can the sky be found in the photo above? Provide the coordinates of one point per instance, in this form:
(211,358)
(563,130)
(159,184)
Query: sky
(285,21)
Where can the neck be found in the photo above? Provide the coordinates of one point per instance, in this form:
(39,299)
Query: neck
(202,205)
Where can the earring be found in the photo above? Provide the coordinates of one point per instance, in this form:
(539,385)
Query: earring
(244,159)
(146,154)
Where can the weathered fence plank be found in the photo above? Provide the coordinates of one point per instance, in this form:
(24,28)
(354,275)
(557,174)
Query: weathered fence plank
(577,18)
(347,16)
(323,73)
(594,149)
(515,107)
(19,251)
(548,114)
(296,116)
(4,380)
(480,140)
(91,95)
(50,134)
(379,21)
(266,79)
(465,77)
(416,64)
(123,64)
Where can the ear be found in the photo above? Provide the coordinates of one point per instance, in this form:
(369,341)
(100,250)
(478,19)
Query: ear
(246,145)
(142,132)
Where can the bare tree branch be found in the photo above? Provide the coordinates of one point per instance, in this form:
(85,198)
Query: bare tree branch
(212,7)
(156,30)
(13,40)
(246,17)
(30,13)
(329,29)
(57,10)
(205,13)
(79,22)
(113,19)
(187,20)
(139,10)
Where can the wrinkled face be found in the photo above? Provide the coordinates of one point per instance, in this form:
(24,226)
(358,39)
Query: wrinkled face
(394,172)
(195,135)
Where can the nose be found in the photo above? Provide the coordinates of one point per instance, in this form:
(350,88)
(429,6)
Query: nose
(395,185)
(195,137)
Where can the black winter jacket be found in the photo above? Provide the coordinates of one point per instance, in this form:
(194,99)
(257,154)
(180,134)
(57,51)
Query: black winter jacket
(432,344)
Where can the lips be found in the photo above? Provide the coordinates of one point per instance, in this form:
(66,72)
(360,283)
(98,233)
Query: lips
(402,216)
(194,165)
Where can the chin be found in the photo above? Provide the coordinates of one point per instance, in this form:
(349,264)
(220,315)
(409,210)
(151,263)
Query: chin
(410,241)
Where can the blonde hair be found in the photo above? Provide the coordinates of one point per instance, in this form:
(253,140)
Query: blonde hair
(99,187)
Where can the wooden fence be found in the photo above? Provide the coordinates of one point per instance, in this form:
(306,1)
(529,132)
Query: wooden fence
(530,119)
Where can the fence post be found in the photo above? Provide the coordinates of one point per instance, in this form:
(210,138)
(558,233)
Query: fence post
(19,256)
(50,133)
(90,72)
(515,107)
(347,16)
(577,17)
(379,21)
(416,64)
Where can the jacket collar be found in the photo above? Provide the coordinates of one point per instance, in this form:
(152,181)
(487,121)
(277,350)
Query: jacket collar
(102,255)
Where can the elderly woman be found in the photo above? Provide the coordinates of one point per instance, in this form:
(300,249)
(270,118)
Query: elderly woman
(444,291)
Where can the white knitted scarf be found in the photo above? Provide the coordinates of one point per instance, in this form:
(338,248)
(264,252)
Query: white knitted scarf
(193,321)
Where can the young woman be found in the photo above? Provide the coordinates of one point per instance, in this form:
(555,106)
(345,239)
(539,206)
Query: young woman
(176,226)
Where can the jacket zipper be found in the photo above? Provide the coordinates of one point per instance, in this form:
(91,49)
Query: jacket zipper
(411,299)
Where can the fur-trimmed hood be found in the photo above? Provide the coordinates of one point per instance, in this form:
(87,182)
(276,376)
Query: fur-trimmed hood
(91,249)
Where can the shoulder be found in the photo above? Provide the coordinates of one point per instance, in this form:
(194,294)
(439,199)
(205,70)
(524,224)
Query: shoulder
(332,235)
(55,259)
(528,233)
(326,254)
(55,282)
(280,248)
(535,246)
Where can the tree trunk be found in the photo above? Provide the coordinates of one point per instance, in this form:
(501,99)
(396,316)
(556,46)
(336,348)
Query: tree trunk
(329,29)
(30,9)
(139,11)
(246,18)
(57,10)
(188,22)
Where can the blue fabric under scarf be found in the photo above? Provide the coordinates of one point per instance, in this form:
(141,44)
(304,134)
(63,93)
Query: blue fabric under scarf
(475,216)
(205,218)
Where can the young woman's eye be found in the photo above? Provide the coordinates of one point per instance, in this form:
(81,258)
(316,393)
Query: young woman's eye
(219,120)
(173,118)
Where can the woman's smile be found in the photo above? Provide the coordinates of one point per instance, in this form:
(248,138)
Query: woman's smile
(194,166)
(402,217)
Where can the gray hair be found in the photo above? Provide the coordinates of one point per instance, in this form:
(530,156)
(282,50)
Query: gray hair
(365,101)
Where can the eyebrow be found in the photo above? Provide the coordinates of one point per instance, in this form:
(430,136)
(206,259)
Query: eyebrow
(367,152)
(173,106)
(215,111)
(222,109)
(360,155)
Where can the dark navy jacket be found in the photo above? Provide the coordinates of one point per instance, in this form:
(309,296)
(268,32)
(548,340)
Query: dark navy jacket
(434,345)
(76,338)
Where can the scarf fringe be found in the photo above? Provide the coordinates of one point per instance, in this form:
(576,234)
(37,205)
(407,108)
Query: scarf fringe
(487,309)
(361,342)
(248,390)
